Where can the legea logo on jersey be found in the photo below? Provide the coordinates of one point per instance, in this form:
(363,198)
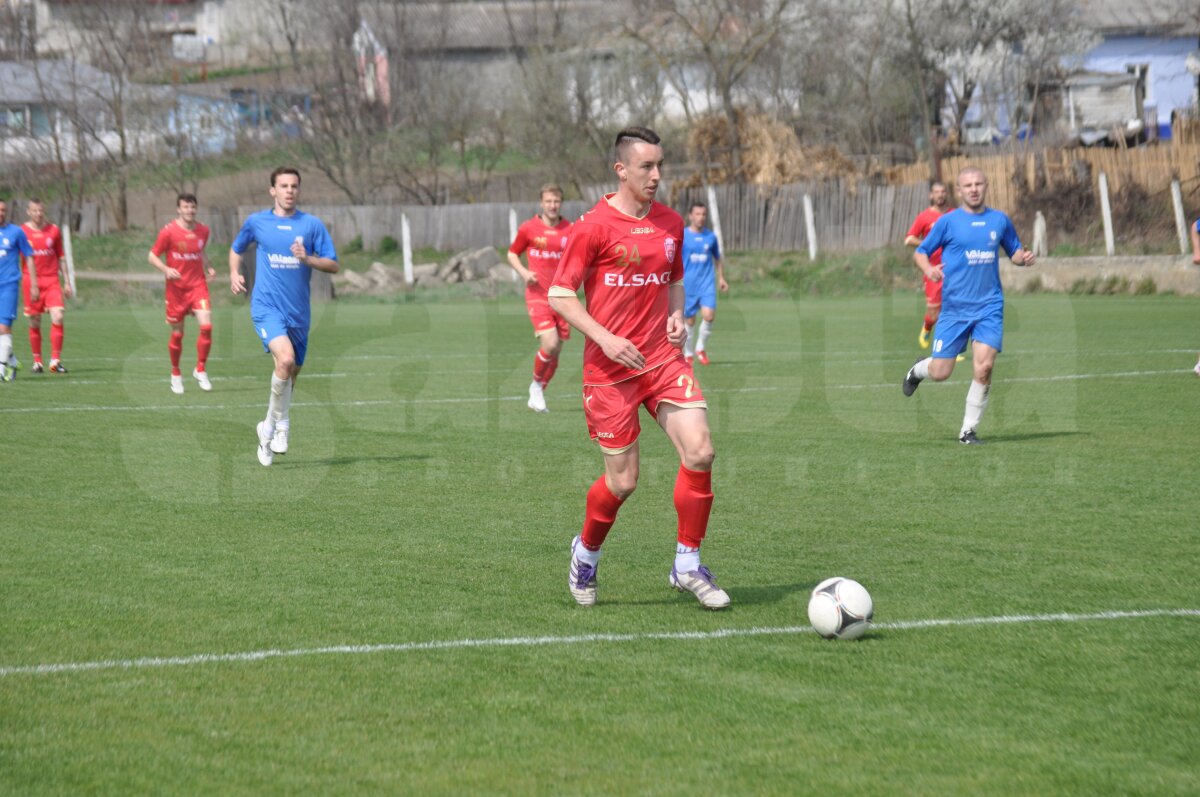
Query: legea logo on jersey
(669,246)
(641,230)
(615,280)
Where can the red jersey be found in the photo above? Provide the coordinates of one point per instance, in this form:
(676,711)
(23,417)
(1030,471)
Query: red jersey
(922,225)
(543,245)
(626,266)
(184,252)
(47,249)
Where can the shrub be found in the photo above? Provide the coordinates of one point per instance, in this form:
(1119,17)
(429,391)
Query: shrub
(388,244)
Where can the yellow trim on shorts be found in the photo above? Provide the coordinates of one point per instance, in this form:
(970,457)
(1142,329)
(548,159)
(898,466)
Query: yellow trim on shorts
(687,405)
(615,451)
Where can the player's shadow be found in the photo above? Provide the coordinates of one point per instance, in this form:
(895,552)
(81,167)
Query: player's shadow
(1027,436)
(334,462)
(773,593)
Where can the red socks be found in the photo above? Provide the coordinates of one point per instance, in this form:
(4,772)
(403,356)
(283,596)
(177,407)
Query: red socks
(35,343)
(56,340)
(602,508)
(928,323)
(175,348)
(544,367)
(203,346)
(693,503)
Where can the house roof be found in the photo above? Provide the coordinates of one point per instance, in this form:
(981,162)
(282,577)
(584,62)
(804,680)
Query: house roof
(1163,17)
(56,82)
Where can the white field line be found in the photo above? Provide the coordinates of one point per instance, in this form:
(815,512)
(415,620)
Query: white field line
(543,641)
(564,396)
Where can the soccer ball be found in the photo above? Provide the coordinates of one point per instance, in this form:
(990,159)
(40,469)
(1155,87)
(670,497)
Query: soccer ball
(840,608)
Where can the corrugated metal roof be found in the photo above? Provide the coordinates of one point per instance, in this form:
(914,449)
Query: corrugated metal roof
(63,83)
(1169,17)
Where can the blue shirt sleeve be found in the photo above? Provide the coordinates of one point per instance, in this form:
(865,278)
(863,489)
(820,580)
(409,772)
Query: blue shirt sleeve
(716,249)
(23,243)
(1009,239)
(933,242)
(244,237)
(322,244)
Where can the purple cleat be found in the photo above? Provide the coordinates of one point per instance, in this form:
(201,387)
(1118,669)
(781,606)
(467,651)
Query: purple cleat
(700,583)
(583,578)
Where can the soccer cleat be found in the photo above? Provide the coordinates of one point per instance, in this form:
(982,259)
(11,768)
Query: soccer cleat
(279,440)
(177,384)
(702,357)
(7,373)
(687,358)
(910,381)
(37,367)
(537,398)
(265,455)
(582,580)
(968,438)
(56,367)
(923,338)
(201,378)
(1197,369)
(962,355)
(700,583)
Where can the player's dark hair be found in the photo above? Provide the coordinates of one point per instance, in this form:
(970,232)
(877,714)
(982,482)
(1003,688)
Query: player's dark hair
(695,205)
(285,170)
(550,188)
(186,198)
(629,136)
(34,201)
(934,184)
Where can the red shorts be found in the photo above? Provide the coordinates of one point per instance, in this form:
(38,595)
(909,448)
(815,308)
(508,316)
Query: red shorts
(933,292)
(49,295)
(542,317)
(612,410)
(182,301)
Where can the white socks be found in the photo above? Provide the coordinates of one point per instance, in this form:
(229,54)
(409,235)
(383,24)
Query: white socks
(686,559)
(977,401)
(6,348)
(280,403)
(587,557)
(689,344)
(921,369)
(705,331)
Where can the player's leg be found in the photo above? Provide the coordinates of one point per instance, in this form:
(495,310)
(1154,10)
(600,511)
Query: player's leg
(57,334)
(175,351)
(8,314)
(689,343)
(950,336)
(933,307)
(288,352)
(545,363)
(35,341)
(708,313)
(203,347)
(988,338)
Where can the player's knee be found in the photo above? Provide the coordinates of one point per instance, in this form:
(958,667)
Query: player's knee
(983,373)
(699,455)
(552,348)
(622,485)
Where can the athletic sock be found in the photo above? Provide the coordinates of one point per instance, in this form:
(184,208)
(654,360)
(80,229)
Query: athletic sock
(35,343)
(977,401)
(928,323)
(921,369)
(602,506)
(275,411)
(285,421)
(687,558)
(705,331)
(544,366)
(203,346)
(56,341)
(689,344)
(175,349)
(693,503)
(6,348)
(551,367)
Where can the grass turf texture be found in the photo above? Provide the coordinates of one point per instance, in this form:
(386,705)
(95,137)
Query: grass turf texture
(422,501)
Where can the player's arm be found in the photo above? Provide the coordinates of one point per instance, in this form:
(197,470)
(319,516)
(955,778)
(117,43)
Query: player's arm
(237,281)
(525,274)
(1195,231)
(32,274)
(1019,255)
(326,264)
(323,257)
(722,285)
(168,272)
(566,303)
(913,241)
(676,328)
(1022,257)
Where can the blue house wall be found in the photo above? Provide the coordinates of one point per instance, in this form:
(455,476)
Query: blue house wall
(211,124)
(1169,86)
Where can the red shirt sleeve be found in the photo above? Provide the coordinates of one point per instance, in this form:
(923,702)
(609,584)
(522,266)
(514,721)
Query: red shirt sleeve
(163,242)
(918,229)
(521,242)
(677,264)
(583,246)
(58,242)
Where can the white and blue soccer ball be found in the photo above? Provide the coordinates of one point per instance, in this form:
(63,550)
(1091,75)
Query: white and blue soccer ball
(840,608)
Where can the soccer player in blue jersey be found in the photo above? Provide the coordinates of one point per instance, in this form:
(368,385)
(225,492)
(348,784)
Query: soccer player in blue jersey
(291,244)
(1196,261)
(13,244)
(972,299)
(701,255)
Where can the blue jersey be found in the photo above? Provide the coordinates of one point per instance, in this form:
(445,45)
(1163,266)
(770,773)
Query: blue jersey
(970,244)
(700,252)
(281,282)
(13,244)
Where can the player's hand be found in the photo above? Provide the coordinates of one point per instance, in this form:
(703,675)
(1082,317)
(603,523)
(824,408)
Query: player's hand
(237,283)
(1028,260)
(212,272)
(1196,259)
(67,290)
(298,251)
(34,293)
(676,331)
(622,351)
(723,286)
(934,274)
(530,278)
(173,274)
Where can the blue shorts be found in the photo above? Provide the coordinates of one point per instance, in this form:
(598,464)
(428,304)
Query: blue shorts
(8,302)
(270,327)
(950,333)
(694,301)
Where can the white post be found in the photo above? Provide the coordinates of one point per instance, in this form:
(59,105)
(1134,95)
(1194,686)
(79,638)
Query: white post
(406,248)
(1039,235)
(1180,220)
(1106,212)
(512,236)
(716,219)
(69,255)
(810,227)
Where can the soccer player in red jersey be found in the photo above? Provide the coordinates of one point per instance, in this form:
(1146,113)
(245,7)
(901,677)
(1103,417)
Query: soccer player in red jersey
(627,255)
(939,204)
(43,291)
(181,242)
(542,239)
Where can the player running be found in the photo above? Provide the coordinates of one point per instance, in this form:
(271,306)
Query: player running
(701,254)
(939,205)
(973,301)
(43,290)
(13,244)
(291,244)
(626,254)
(182,243)
(542,239)
(1195,234)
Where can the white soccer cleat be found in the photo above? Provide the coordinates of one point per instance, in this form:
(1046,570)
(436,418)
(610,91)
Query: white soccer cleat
(279,441)
(1197,369)
(202,379)
(700,583)
(265,435)
(177,384)
(582,580)
(537,398)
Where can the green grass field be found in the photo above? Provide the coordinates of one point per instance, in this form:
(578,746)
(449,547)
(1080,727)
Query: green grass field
(425,511)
